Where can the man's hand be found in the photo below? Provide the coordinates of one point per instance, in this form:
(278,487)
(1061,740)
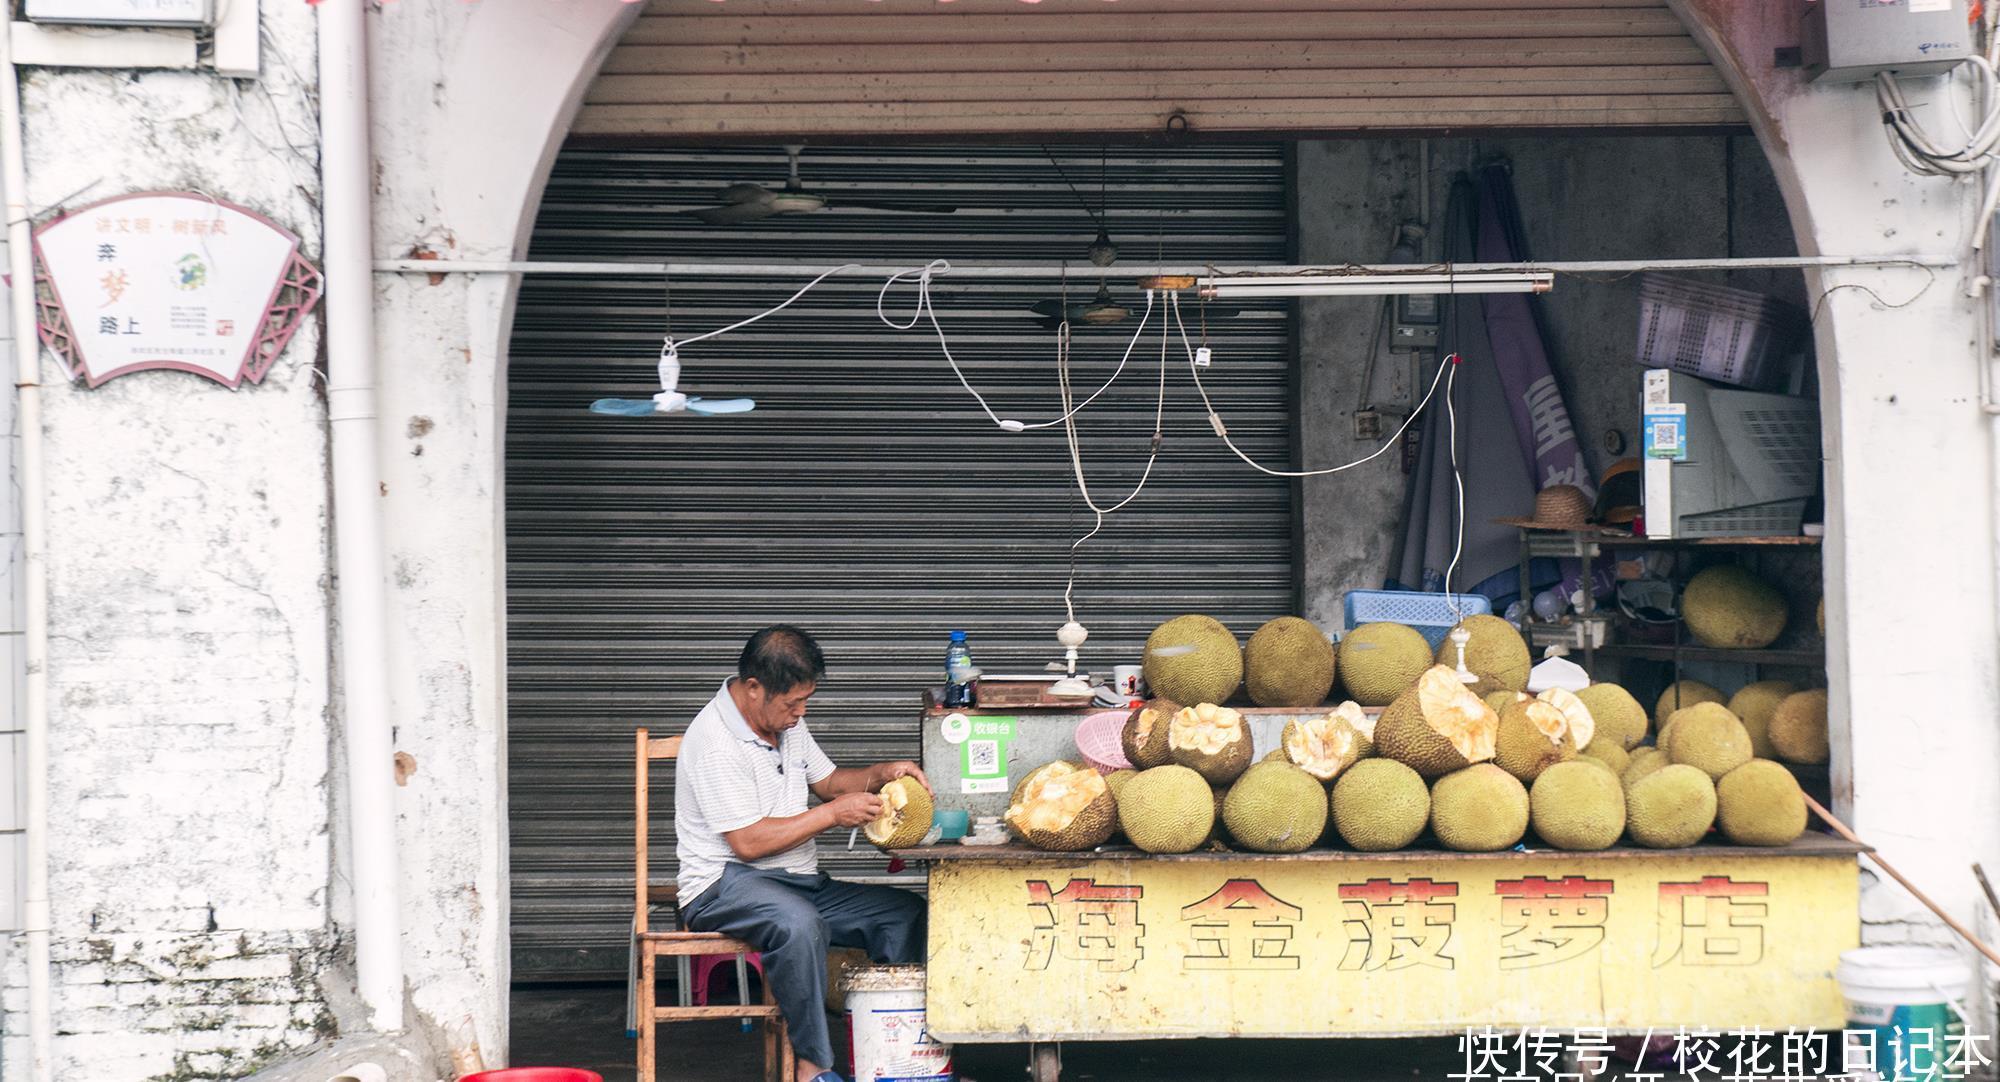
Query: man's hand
(855,809)
(884,773)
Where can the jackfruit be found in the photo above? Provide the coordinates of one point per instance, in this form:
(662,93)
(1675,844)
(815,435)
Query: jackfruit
(1644,761)
(1145,735)
(1709,738)
(1064,810)
(1753,705)
(1479,809)
(1060,766)
(1326,745)
(1577,806)
(1685,693)
(1438,726)
(1379,805)
(1168,809)
(1727,607)
(1288,662)
(1607,751)
(1212,740)
(1380,661)
(1617,714)
(1672,808)
(1117,779)
(1760,803)
(1532,737)
(1499,701)
(1193,659)
(1798,727)
(1275,808)
(905,817)
(1497,654)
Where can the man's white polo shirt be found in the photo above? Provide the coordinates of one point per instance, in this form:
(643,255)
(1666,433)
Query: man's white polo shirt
(727,778)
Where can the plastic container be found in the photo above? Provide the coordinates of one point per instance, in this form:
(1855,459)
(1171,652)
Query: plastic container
(534,1074)
(959,675)
(1715,332)
(885,1025)
(1908,1000)
(1100,738)
(951,823)
(1432,614)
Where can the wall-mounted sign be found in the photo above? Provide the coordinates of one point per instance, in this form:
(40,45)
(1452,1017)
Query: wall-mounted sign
(170,280)
(194,13)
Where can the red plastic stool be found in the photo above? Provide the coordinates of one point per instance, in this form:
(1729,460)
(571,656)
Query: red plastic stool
(534,1074)
(707,964)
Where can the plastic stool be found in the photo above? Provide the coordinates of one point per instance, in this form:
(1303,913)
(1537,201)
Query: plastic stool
(709,963)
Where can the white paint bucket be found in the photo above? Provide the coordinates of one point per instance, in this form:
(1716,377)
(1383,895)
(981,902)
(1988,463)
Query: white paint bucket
(1908,1002)
(885,1026)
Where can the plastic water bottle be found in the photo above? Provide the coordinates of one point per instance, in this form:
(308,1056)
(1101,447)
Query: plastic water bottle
(958,673)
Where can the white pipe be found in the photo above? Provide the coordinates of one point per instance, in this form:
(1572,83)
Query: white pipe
(28,474)
(1024,270)
(347,168)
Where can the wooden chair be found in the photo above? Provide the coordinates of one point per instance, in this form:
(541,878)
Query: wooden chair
(651,945)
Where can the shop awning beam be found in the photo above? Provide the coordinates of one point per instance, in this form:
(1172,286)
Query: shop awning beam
(962,271)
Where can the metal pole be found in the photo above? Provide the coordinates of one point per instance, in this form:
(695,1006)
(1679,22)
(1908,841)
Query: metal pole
(1028,270)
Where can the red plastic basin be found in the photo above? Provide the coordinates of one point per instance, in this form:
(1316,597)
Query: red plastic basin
(534,1074)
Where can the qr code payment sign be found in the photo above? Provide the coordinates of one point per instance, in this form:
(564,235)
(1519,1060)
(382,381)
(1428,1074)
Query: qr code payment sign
(1666,435)
(982,757)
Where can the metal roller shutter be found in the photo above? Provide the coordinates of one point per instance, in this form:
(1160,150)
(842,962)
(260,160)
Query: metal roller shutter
(867,499)
(917,68)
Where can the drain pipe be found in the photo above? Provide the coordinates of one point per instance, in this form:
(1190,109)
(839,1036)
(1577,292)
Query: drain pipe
(347,173)
(29,476)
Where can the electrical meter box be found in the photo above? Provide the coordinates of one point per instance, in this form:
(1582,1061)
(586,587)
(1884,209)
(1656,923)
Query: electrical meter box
(1849,41)
(193,14)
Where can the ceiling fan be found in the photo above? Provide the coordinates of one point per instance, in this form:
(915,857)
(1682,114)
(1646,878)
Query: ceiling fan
(753,202)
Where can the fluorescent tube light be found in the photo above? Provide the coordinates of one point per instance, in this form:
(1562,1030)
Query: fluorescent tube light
(1375,284)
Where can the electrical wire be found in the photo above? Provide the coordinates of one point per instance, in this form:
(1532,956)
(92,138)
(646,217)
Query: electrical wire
(673,345)
(1222,430)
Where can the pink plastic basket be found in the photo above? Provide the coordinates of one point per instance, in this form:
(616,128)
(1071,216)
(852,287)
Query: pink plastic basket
(534,1074)
(1097,737)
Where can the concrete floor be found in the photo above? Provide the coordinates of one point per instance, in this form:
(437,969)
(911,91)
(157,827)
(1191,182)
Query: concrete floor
(583,1026)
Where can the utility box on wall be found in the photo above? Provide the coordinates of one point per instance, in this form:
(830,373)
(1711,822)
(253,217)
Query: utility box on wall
(1849,41)
(172,13)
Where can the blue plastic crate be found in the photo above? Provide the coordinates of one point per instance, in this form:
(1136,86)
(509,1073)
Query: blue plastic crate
(1432,614)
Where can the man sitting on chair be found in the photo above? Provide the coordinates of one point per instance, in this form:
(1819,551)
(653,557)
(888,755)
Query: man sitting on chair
(748,864)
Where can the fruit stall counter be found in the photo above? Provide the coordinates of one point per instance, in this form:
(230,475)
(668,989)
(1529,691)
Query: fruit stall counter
(1116,944)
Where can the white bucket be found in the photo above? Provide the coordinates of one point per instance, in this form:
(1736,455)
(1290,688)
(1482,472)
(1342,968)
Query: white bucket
(885,1026)
(1909,1002)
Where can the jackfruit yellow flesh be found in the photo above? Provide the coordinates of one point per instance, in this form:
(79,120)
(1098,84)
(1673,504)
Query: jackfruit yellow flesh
(1456,714)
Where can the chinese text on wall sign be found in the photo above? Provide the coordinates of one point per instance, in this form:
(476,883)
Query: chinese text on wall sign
(170,280)
(1135,948)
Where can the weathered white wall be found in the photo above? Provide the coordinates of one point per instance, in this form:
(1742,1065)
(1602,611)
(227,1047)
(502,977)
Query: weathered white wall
(188,673)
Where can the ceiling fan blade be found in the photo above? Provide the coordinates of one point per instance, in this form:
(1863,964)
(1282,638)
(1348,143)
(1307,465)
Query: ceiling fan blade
(735,213)
(885,204)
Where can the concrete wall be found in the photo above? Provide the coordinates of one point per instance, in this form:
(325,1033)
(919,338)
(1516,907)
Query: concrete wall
(1581,198)
(189,682)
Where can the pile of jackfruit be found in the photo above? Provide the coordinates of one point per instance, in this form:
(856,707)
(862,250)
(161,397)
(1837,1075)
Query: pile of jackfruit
(1471,767)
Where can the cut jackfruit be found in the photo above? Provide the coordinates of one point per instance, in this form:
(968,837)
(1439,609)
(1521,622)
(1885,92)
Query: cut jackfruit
(1380,661)
(1380,805)
(1145,735)
(1288,662)
(1193,659)
(1168,809)
(1438,726)
(1532,737)
(1582,726)
(1326,745)
(1063,810)
(1211,740)
(906,815)
(1275,808)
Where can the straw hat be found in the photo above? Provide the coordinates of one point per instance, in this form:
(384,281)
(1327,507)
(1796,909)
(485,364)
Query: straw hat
(1562,507)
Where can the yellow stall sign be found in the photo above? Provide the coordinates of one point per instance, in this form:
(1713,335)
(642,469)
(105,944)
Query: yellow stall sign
(1030,946)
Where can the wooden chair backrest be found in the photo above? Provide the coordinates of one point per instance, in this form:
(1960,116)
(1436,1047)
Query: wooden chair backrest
(646,749)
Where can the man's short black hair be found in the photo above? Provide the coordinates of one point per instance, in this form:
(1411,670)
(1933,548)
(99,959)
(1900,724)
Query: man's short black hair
(781,657)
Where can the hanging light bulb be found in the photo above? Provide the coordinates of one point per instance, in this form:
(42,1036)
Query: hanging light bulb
(1459,638)
(1071,635)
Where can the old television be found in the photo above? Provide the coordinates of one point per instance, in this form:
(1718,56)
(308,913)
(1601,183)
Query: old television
(1726,462)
